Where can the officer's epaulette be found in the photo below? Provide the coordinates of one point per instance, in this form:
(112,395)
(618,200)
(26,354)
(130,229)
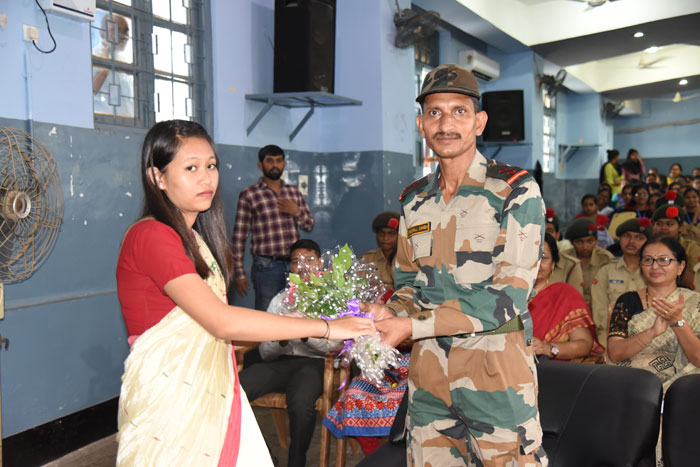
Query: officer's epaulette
(512,175)
(415,186)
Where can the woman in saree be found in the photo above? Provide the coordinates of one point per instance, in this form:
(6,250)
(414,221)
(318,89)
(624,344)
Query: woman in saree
(181,402)
(562,325)
(656,328)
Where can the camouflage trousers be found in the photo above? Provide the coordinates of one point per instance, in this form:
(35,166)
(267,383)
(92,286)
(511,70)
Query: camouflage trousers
(473,401)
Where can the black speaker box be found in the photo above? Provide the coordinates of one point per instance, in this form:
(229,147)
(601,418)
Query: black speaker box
(505,111)
(304,45)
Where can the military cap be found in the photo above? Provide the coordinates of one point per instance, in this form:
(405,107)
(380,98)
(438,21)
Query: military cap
(669,211)
(552,218)
(671,197)
(388,219)
(641,225)
(581,227)
(449,78)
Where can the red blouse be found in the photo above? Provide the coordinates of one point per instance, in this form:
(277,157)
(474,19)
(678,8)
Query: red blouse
(152,255)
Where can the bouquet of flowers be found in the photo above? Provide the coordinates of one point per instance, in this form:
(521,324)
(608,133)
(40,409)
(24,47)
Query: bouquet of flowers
(334,292)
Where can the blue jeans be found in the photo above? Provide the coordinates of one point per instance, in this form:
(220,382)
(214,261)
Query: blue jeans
(269,277)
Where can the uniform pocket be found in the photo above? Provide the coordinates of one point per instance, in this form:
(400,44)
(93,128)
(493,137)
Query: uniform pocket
(422,245)
(474,246)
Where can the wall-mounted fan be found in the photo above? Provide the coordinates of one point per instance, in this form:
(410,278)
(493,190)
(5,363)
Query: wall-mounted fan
(612,109)
(551,83)
(412,26)
(31,204)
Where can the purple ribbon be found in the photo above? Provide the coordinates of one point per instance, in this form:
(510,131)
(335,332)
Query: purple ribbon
(352,310)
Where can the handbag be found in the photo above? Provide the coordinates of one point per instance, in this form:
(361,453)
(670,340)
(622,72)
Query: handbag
(397,433)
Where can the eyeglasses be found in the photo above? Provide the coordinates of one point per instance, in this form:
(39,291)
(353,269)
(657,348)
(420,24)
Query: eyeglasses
(662,261)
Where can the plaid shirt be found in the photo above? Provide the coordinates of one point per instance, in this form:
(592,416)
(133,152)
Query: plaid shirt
(273,232)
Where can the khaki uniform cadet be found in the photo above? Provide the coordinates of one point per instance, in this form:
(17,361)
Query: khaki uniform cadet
(385,267)
(464,272)
(583,227)
(568,268)
(614,279)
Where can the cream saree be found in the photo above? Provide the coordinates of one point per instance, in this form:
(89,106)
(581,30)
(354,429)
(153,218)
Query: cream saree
(180,401)
(664,356)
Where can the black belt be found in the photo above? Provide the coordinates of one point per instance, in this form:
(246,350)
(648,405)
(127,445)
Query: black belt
(286,259)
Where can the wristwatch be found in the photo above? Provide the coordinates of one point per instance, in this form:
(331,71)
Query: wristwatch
(678,323)
(554,349)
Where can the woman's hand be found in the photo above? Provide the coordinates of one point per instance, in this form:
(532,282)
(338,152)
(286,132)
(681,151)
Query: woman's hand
(540,347)
(349,327)
(669,311)
(660,325)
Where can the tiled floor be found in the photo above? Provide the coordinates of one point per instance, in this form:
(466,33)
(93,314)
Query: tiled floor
(103,453)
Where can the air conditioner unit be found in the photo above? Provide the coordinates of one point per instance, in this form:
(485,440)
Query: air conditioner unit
(632,107)
(83,9)
(482,66)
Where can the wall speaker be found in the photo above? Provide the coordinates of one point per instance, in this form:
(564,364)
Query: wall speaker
(505,111)
(304,45)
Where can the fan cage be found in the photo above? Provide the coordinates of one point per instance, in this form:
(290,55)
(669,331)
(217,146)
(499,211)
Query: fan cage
(31,204)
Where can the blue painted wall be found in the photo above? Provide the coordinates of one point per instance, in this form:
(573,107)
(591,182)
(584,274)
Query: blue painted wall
(678,138)
(68,340)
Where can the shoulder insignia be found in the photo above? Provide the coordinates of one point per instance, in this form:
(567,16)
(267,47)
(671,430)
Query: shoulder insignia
(415,186)
(512,175)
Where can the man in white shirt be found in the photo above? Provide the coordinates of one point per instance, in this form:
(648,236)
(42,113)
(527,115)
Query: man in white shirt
(294,367)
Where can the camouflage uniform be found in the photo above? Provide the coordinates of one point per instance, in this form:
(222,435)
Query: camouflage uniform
(612,280)
(464,269)
(568,269)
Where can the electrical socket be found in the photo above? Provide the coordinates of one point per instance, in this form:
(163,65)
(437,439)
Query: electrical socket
(30,33)
(304,184)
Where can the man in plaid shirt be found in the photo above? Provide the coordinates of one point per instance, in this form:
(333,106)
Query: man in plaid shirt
(270,210)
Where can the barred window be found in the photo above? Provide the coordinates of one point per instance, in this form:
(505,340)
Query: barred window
(144,66)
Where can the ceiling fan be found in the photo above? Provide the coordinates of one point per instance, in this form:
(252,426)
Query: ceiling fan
(593,3)
(644,63)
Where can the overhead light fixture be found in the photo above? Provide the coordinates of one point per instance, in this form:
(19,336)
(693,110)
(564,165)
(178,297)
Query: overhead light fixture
(677,97)
(683,82)
(652,49)
(638,34)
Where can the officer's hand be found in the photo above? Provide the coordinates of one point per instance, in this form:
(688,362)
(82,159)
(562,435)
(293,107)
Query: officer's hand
(380,312)
(394,330)
(242,286)
(288,206)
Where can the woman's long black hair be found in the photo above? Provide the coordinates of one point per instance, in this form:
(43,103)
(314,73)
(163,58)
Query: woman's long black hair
(161,144)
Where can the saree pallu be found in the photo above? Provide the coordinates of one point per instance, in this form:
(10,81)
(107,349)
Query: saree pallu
(180,401)
(664,356)
(559,309)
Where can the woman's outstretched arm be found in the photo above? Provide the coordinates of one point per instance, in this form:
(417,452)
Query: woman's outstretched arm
(194,296)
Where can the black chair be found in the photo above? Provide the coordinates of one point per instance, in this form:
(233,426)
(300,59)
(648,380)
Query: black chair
(598,415)
(591,415)
(679,436)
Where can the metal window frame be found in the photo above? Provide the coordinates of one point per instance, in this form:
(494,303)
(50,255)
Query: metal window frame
(143,22)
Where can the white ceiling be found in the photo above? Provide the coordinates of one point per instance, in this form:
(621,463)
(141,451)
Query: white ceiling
(594,44)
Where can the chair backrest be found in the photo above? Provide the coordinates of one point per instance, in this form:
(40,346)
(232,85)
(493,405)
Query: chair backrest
(599,415)
(679,437)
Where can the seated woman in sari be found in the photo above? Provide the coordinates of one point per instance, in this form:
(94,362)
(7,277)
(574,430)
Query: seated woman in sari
(656,328)
(563,328)
(181,402)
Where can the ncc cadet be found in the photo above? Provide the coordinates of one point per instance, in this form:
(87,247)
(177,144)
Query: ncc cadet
(470,238)
(620,276)
(568,268)
(668,222)
(583,235)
